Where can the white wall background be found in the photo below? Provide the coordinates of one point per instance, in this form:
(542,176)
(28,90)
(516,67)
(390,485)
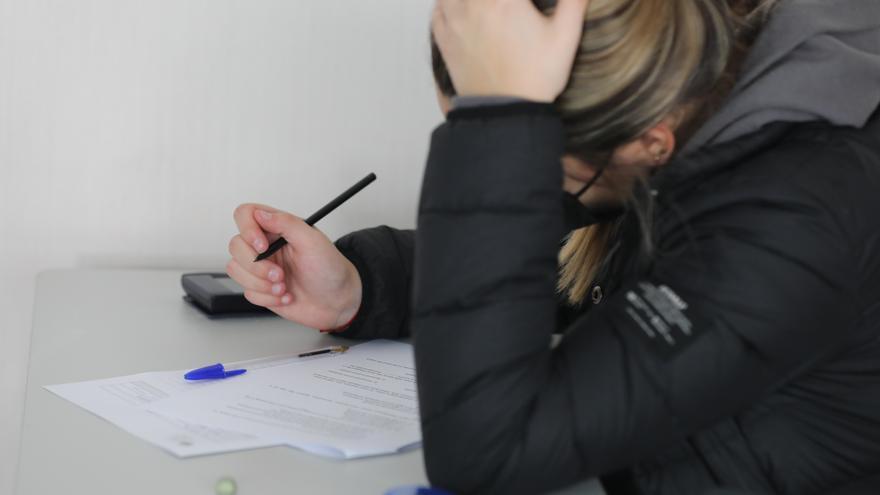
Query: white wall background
(130,129)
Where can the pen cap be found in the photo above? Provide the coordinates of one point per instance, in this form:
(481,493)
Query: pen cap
(213,371)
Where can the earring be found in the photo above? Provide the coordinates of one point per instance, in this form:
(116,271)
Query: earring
(658,158)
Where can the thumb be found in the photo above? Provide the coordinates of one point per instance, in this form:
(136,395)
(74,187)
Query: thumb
(569,17)
(291,228)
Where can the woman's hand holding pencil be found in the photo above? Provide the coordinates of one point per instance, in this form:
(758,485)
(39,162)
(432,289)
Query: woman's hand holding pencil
(307,280)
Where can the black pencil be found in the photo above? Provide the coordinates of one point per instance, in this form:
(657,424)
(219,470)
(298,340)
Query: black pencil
(338,349)
(312,220)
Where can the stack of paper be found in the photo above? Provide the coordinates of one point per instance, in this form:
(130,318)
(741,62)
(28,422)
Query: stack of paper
(358,403)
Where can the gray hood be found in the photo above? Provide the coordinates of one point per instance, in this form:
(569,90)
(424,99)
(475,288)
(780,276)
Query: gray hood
(814,60)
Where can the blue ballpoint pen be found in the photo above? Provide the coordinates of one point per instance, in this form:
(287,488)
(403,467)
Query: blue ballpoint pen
(212,372)
(217,371)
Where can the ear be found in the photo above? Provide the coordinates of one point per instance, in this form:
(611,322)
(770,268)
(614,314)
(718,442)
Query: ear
(658,144)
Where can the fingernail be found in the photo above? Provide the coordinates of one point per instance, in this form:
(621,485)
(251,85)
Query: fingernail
(285,299)
(265,215)
(274,275)
(259,245)
(277,289)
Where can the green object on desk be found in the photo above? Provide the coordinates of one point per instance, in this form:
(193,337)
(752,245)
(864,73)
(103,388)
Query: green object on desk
(226,486)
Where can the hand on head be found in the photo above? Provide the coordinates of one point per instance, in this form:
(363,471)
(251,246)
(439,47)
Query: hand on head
(508,47)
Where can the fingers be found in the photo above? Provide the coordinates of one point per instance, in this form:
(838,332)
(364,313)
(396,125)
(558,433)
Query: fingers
(262,282)
(290,227)
(249,281)
(244,255)
(267,300)
(450,7)
(439,32)
(438,23)
(569,17)
(444,12)
(278,222)
(575,9)
(248,228)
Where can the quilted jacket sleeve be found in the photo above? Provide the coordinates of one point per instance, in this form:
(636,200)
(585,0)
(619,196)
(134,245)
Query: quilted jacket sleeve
(383,257)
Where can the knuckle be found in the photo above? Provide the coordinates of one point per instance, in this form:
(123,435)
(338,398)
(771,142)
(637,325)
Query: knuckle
(262,269)
(244,214)
(240,210)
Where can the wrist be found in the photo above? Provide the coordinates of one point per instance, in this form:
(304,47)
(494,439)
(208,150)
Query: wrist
(511,109)
(534,96)
(353,300)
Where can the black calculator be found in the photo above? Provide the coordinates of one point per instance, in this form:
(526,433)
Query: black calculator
(217,295)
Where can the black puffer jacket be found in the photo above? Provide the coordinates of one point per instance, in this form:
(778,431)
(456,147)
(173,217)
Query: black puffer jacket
(744,354)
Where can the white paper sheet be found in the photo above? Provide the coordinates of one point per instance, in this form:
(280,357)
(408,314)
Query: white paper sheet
(359,403)
(356,404)
(123,400)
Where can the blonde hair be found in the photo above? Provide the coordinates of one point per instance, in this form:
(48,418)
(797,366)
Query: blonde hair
(638,62)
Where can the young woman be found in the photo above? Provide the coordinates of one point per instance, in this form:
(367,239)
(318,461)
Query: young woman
(718,287)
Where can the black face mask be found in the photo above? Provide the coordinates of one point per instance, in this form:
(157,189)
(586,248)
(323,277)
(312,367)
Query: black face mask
(578,215)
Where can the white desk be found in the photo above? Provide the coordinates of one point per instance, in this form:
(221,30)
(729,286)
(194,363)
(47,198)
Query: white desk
(91,324)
